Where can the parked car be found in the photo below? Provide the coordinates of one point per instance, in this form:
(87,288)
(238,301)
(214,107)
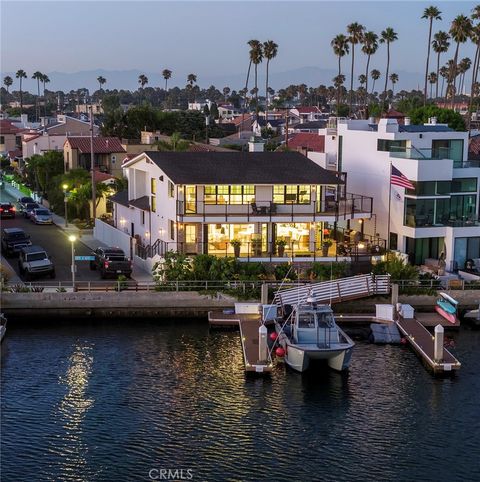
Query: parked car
(34,261)
(41,216)
(23,201)
(13,240)
(111,261)
(28,209)
(7,210)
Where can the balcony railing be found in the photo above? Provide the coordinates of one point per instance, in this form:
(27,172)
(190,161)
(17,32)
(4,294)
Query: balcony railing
(365,248)
(428,222)
(466,164)
(266,210)
(421,153)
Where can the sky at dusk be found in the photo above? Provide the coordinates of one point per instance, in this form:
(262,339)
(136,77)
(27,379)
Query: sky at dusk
(205,37)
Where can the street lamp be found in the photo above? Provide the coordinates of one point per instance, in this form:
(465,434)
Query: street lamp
(65,200)
(72,238)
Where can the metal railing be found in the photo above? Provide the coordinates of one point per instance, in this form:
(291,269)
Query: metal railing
(346,207)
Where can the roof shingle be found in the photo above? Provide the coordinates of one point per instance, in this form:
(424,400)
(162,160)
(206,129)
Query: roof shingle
(101,145)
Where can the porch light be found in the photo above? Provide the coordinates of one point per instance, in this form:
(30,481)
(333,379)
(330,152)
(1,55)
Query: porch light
(122,221)
(360,220)
(147,234)
(361,245)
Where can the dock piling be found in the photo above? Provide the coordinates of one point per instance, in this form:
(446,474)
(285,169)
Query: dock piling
(264,294)
(262,342)
(438,348)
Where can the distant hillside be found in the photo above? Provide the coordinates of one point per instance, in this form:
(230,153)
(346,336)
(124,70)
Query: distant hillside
(128,79)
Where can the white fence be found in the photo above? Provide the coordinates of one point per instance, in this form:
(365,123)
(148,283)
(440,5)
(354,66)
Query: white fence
(112,236)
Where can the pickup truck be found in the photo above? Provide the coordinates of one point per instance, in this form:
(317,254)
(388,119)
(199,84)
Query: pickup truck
(111,261)
(13,240)
(34,261)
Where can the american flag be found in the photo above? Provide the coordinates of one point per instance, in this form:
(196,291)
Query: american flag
(399,179)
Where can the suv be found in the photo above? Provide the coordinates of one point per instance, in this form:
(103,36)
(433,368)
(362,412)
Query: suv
(23,201)
(34,261)
(7,210)
(28,209)
(13,240)
(111,261)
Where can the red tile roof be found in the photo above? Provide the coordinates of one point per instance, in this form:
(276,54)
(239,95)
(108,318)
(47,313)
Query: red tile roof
(14,154)
(102,176)
(394,114)
(238,120)
(308,140)
(101,145)
(474,148)
(6,127)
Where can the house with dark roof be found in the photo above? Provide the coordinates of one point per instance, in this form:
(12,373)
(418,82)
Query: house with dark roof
(109,154)
(200,202)
(10,136)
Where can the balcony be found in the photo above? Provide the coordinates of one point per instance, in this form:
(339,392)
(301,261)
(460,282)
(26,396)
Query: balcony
(422,153)
(352,206)
(427,221)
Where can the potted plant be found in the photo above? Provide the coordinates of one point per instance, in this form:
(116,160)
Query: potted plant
(236,243)
(281,243)
(326,246)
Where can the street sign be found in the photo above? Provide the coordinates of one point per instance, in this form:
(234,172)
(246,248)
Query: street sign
(84,258)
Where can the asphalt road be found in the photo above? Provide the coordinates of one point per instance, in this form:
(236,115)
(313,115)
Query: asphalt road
(56,243)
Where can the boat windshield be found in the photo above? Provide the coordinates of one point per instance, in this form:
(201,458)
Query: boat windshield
(325,319)
(306,320)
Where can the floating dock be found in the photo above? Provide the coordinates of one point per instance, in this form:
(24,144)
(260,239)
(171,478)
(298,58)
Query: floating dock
(423,342)
(249,324)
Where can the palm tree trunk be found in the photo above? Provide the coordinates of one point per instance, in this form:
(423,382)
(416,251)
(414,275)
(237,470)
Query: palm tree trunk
(266,94)
(453,76)
(21,96)
(256,92)
(351,78)
(386,75)
(338,88)
(37,106)
(438,72)
(373,85)
(441,92)
(366,85)
(474,79)
(428,60)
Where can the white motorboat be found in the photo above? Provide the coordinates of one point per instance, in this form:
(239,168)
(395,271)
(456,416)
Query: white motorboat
(309,332)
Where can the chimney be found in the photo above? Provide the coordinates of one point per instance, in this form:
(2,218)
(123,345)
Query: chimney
(255,144)
(406,121)
(433,121)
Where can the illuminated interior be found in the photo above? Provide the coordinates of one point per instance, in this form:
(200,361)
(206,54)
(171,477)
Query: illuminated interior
(220,235)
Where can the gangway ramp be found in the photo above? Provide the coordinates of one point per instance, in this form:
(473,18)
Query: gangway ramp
(336,291)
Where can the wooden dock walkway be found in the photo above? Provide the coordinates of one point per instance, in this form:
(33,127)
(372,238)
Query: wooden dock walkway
(422,341)
(249,325)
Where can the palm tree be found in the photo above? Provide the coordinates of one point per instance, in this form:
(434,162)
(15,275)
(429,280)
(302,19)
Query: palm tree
(226,91)
(176,144)
(393,80)
(142,80)
(475,38)
(45,80)
(387,37)
(440,45)
(370,46)
(432,78)
(270,51)
(443,72)
(101,80)
(431,13)
(166,74)
(256,57)
(375,74)
(463,67)
(355,36)
(37,76)
(460,31)
(20,75)
(8,81)
(191,79)
(340,45)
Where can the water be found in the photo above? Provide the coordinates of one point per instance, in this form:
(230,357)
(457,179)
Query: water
(109,401)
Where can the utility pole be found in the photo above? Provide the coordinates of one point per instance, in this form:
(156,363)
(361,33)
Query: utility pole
(92,168)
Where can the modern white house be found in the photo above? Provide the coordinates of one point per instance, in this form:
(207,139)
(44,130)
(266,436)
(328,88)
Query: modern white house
(441,215)
(275,204)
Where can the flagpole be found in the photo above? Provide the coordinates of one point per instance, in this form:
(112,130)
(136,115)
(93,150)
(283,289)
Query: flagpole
(389,205)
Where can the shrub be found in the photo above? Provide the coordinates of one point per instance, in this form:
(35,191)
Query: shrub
(325,271)
(285,271)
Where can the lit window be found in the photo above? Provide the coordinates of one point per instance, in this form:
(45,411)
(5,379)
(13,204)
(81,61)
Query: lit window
(172,230)
(190,233)
(153,204)
(171,189)
(153,185)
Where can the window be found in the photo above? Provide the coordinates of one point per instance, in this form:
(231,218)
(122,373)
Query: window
(18,141)
(393,241)
(2,139)
(464,185)
(429,188)
(142,218)
(172,230)
(448,149)
(153,204)
(190,233)
(291,194)
(171,189)
(153,185)
(390,145)
(224,194)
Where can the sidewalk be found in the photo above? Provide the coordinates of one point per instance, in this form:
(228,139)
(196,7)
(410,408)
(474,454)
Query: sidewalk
(85,237)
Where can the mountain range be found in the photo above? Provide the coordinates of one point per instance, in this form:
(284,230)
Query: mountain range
(128,79)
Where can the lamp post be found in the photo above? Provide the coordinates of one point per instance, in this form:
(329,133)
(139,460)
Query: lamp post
(65,200)
(72,238)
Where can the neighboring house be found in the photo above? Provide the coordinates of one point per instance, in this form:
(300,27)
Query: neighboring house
(35,143)
(199,202)
(276,125)
(228,111)
(10,137)
(108,153)
(69,126)
(310,126)
(85,108)
(306,142)
(307,113)
(150,137)
(441,214)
